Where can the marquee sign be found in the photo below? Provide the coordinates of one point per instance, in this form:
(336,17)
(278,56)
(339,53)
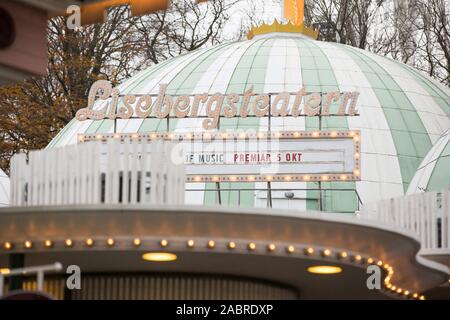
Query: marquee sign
(229,105)
(261,156)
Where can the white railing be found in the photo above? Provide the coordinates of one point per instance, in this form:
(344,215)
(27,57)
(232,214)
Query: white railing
(426,214)
(38,270)
(98,172)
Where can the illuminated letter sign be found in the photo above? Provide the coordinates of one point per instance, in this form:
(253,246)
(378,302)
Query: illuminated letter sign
(163,105)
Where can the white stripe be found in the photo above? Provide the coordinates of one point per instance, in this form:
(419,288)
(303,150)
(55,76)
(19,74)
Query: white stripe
(379,155)
(283,74)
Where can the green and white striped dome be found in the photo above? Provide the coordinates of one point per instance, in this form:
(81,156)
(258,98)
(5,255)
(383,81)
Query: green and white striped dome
(402,111)
(434,172)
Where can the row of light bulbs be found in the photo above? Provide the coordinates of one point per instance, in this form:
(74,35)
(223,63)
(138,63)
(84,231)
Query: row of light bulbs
(276,178)
(252,246)
(224,135)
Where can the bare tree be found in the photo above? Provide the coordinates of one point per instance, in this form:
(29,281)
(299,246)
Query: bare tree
(416,32)
(186,26)
(350,20)
(434,47)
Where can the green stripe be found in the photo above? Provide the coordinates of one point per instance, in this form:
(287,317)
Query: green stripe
(410,137)
(239,83)
(318,76)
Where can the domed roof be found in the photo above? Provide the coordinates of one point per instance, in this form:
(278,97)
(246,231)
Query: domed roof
(402,111)
(4,189)
(434,171)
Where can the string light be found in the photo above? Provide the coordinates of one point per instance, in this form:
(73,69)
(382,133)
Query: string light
(271,247)
(69,243)
(290,249)
(89,242)
(252,246)
(8,245)
(211,244)
(309,251)
(28,244)
(231,245)
(136,242)
(222,135)
(110,242)
(190,243)
(164,243)
(48,243)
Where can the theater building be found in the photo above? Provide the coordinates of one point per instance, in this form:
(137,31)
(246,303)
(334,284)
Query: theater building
(358,177)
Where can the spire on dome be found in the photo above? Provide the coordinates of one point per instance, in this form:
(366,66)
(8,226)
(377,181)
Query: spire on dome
(292,21)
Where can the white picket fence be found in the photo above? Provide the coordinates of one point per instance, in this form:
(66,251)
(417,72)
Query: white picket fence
(426,214)
(98,172)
